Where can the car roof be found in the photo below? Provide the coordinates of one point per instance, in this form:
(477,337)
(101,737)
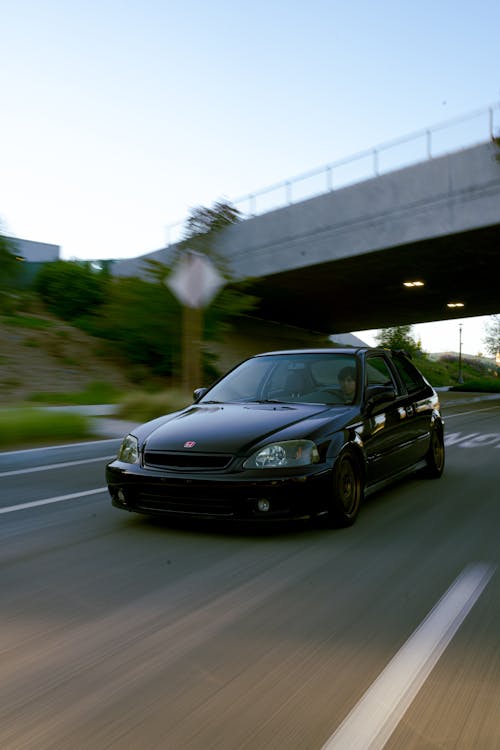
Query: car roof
(324,350)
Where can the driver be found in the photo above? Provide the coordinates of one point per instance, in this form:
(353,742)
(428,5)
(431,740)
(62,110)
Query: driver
(347,380)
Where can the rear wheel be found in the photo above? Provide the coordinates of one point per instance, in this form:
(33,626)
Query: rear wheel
(347,490)
(435,455)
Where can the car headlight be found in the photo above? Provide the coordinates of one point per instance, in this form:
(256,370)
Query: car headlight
(129,450)
(286,454)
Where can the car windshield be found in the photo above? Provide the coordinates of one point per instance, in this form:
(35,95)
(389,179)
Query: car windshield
(322,377)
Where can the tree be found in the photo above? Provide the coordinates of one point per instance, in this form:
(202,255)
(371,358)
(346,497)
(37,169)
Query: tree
(203,221)
(201,229)
(492,338)
(399,337)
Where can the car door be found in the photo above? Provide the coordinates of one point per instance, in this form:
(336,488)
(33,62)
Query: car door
(419,405)
(388,431)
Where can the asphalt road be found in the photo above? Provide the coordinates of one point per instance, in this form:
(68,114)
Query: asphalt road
(119,632)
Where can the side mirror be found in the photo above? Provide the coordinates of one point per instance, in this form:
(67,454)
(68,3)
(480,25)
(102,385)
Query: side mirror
(199,393)
(378,394)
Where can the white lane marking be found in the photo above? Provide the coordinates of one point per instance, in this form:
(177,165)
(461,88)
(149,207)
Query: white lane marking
(49,500)
(375,717)
(61,465)
(58,447)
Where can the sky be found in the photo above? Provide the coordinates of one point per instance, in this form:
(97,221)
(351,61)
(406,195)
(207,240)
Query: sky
(444,336)
(119,116)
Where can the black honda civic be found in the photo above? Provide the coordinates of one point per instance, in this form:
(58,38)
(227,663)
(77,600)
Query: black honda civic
(285,434)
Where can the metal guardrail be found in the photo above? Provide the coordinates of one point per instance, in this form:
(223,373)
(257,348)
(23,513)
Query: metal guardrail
(419,146)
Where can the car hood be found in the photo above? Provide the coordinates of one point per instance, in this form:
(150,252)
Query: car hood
(230,428)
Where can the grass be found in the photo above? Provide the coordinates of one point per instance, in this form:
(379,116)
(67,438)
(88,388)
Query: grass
(444,372)
(95,393)
(30,426)
(23,426)
(29,321)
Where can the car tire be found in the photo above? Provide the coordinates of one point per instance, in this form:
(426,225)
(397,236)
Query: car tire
(348,489)
(434,458)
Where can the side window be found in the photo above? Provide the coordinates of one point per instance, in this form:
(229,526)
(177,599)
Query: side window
(408,374)
(378,373)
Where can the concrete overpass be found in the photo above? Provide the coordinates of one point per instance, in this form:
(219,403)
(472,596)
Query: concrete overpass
(338,262)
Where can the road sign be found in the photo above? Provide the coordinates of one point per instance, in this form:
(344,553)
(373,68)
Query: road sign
(195,280)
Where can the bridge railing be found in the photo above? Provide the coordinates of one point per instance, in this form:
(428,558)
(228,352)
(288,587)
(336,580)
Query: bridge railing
(419,146)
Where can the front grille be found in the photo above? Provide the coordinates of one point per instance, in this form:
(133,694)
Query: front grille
(182,461)
(181,499)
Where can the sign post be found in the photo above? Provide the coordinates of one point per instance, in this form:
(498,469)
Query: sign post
(194,281)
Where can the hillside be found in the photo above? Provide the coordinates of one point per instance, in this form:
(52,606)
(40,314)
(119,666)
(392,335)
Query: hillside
(41,354)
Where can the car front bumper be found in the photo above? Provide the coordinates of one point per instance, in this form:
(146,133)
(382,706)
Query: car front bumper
(297,495)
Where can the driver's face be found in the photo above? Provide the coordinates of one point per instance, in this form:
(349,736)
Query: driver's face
(348,385)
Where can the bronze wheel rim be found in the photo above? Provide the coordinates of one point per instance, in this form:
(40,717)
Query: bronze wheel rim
(437,451)
(348,486)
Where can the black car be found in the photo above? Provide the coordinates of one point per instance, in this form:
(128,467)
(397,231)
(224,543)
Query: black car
(285,434)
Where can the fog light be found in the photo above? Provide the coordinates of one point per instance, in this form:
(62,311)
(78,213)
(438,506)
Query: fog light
(263,505)
(121,496)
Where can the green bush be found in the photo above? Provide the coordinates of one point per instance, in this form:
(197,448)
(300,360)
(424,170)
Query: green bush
(485,385)
(71,289)
(143,322)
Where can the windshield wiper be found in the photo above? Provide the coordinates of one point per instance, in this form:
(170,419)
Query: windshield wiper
(246,401)
(268,401)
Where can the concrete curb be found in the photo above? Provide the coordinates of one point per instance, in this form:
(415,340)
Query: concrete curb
(454,398)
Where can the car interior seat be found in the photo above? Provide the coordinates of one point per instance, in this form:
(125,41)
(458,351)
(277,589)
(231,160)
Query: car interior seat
(296,383)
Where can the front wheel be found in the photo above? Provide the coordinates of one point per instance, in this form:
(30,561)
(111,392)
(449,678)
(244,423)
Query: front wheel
(347,490)
(435,455)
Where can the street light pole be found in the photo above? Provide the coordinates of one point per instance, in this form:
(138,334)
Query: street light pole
(460,376)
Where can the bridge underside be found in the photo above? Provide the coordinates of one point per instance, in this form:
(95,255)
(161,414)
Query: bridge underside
(366,291)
